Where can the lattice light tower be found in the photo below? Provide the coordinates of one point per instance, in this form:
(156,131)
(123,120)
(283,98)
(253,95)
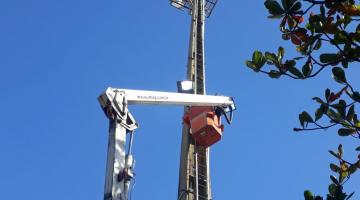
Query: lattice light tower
(194,176)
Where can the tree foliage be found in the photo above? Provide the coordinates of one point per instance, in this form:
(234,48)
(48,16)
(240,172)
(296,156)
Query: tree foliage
(326,34)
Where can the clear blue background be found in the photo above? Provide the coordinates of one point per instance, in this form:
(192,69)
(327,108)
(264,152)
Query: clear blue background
(56,57)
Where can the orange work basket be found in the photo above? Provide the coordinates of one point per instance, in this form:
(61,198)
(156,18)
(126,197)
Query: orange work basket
(205,125)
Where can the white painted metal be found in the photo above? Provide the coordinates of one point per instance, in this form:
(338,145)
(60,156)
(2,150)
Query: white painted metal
(163,98)
(115,190)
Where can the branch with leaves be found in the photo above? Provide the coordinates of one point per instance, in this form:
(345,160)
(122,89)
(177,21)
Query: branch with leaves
(326,34)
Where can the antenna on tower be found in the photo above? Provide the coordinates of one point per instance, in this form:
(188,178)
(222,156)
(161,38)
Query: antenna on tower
(188,4)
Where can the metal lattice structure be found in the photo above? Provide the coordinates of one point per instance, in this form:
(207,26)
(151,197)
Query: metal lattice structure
(188,4)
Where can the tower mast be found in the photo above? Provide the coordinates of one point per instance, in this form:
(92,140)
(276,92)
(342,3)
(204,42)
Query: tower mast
(194,176)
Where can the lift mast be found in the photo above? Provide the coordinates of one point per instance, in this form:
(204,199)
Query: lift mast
(194,176)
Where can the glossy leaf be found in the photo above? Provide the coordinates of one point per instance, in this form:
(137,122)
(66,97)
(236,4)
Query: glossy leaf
(318,114)
(296,7)
(271,57)
(334,154)
(351,113)
(305,117)
(324,107)
(334,115)
(281,53)
(308,195)
(332,189)
(352,169)
(327,93)
(317,45)
(346,131)
(252,66)
(274,7)
(329,58)
(334,180)
(340,150)
(334,168)
(274,74)
(317,99)
(257,56)
(339,75)
(307,69)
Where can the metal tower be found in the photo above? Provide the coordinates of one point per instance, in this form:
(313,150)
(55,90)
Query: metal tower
(194,176)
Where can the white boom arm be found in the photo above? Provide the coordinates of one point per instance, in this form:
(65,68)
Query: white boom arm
(114,102)
(163,98)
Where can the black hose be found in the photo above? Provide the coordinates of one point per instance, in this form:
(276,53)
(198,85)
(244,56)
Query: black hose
(220,110)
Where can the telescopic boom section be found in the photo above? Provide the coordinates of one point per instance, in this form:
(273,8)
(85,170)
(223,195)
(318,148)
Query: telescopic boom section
(116,97)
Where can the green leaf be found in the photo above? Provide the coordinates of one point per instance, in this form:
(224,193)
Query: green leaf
(342,108)
(339,75)
(340,37)
(340,150)
(273,7)
(271,57)
(324,107)
(345,63)
(305,117)
(334,115)
(258,60)
(317,99)
(356,121)
(334,168)
(307,69)
(296,7)
(281,52)
(274,74)
(332,189)
(257,57)
(346,131)
(358,149)
(296,72)
(317,45)
(322,11)
(302,121)
(351,113)
(290,65)
(327,93)
(318,114)
(329,58)
(252,66)
(286,4)
(334,180)
(308,195)
(352,169)
(334,154)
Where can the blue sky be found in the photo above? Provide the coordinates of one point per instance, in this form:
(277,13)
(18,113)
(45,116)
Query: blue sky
(58,56)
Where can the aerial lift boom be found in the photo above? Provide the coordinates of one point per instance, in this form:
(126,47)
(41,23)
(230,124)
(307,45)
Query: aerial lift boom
(114,102)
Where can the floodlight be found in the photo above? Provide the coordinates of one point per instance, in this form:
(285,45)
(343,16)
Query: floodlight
(185,87)
(179,4)
(188,5)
